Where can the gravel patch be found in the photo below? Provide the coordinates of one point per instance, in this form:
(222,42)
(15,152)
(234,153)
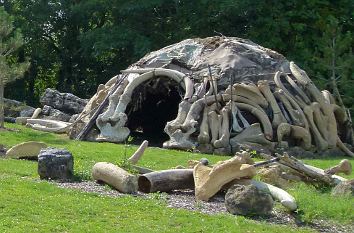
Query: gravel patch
(184,199)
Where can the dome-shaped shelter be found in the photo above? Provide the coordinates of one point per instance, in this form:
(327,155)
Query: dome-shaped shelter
(215,94)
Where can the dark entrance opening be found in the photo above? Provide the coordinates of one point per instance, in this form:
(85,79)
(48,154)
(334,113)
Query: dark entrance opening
(153,104)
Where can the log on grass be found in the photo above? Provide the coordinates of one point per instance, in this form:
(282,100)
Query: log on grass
(115,176)
(166,180)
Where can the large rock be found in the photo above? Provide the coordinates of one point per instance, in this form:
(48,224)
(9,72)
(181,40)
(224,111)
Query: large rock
(248,200)
(54,114)
(344,188)
(29,150)
(14,108)
(57,164)
(65,102)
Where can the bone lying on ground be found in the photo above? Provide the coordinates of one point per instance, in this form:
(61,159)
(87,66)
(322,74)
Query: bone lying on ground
(280,195)
(115,176)
(344,167)
(48,125)
(139,152)
(166,180)
(208,181)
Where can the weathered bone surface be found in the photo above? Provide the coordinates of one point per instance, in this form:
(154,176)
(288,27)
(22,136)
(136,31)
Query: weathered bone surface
(248,85)
(166,180)
(208,181)
(139,152)
(344,167)
(115,176)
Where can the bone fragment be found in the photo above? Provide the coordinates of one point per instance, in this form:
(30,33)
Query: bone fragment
(344,167)
(115,176)
(139,152)
(277,114)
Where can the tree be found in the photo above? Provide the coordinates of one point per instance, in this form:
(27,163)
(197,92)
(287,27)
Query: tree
(10,69)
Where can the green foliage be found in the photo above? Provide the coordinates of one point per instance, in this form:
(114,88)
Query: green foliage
(75,45)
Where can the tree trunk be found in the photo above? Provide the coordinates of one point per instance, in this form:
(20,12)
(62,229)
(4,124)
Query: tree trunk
(1,102)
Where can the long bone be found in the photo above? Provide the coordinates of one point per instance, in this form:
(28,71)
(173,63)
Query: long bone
(319,141)
(174,74)
(214,124)
(224,139)
(298,110)
(278,117)
(243,90)
(326,108)
(294,115)
(320,120)
(183,109)
(279,83)
(204,136)
(262,117)
(296,132)
(328,97)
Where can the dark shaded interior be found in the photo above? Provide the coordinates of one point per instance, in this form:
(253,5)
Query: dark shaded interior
(153,104)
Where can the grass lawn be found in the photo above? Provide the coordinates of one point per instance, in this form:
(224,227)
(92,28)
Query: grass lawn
(30,205)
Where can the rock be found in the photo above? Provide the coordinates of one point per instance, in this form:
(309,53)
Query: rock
(22,120)
(273,175)
(55,164)
(73,118)
(55,114)
(247,200)
(10,119)
(344,188)
(66,102)
(27,112)
(299,152)
(204,161)
(208,181)
(2,150)
(29,150)
(14,108)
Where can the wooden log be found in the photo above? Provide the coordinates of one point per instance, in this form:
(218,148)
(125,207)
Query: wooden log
(115,176)
(311,175)
(166,180)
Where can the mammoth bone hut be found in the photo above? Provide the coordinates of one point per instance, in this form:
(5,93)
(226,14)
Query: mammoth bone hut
(216,95)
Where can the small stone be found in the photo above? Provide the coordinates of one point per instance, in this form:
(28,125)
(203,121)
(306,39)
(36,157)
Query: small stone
(2,150)
(56,164)
(344,188)
(204,161)
(29,150)
(247,200)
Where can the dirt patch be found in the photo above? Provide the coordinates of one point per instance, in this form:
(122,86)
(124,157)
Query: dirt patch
(185,200)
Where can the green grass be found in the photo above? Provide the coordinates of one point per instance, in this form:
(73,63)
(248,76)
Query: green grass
(27,203)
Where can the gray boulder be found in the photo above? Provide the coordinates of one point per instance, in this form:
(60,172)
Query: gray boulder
(345,188)
(65,102)
(2,150)
(54,114)
(247,200)
(56,164)
(14,108)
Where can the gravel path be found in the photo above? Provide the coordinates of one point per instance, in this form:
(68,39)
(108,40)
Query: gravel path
(185,200)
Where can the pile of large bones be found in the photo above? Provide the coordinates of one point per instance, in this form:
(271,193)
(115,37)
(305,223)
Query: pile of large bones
(252,96)
(236,93)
